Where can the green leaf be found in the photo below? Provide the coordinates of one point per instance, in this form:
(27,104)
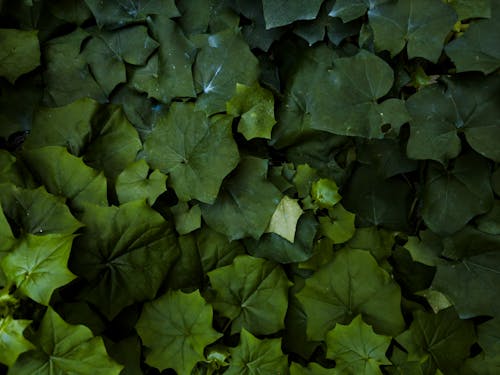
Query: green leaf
(311,369)
(324,192)
(442,338)
(196,152)
(222,62)
(115,145)
(124,253)
(477,49)
(283,12)
(377,241)
(187,219)
(65,349)
(471,8)
(426,249)
(468,106)
(135,183)
(12,341)
(452,197)
(356,349)
(285,218)
(38,265)
(274,247)
(349,10)
(72,11)
(246,202)
(20,53)
(422,24)
(36,211)
(470,284)
(67,76)
(348,102)
(351,284)
(176,327)
(490,222)
(338,226)
(115,13)
(254,357)
(255,106)
(253,293)
(68,126)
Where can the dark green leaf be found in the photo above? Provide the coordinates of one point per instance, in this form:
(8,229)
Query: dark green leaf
(20,52)
(283,12)
(471,8)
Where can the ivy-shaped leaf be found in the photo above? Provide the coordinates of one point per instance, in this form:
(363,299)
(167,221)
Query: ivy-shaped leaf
(285,218)
(176,327)
(38,265)
(253,293)
(356,349)
(196,152)
(62,348)
(12,340)
(253,356)
(350,285)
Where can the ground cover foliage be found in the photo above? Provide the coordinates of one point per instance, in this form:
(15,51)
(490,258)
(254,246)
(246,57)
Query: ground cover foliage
(250,187)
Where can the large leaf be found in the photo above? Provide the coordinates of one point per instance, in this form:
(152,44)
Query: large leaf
(469,106)
(222,62)
(62,348)
(254,357)
(7,240)
(253,293)
(356,349)
(12,340)
(349,10)
(348,103)
(176,327)
(477,49)
(66,175)
(246,202)
(196,153)
(452,197)
(283,12)
(38,265)
(124,253)
(20,52)
(443,339)
(350,285)
(422,24)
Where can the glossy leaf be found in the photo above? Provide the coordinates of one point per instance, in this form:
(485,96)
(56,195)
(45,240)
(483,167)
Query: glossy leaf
(350,285)
(281,12)
(176,327)
(253,293)
(12,340)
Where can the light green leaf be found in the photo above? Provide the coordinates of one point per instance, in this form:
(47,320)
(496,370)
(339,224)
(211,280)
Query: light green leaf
(38,265)
(134,183)
(196,153)
(423,24)
(12,341)
(20,53)
(68,126)
(470,106)
(283,12)
(187,219)
(176,327)
(442,338)
(257,357)
(348,102)
(471,8)
(255,105)
(65,349)
(7,241)
(222,62)
(253,293)
(477,49)
(356,349)
(285,218)
(452,197)
(338,226)
(246,202)
(66,175)
(37,212)
(426,248)
(324,192)
(67,76)
(350,285)
(311,369)
(115,13)
(124,254)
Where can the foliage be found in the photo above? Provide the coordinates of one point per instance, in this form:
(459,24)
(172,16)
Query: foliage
(250,187)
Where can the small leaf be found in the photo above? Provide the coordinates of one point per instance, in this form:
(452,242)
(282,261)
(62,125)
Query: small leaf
(20,53)
(176,327)
(324,192)
(187,219)
(12,341)
(38,265)
(356,348)
(338,226)
(285,218)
